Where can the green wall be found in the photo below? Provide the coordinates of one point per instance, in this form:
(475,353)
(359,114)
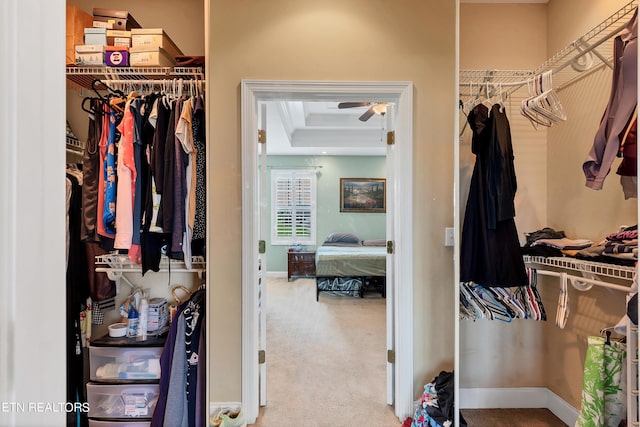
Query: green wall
(329,218)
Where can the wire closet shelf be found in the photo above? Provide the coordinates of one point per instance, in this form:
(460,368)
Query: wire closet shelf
(584,55)
(82,77)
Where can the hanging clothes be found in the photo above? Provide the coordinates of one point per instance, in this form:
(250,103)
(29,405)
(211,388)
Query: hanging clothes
(620,107)
(181,396)
(490,249)
(628,168)
(199,142)
(77,293)
(179,188)
(604,401)
(142,167)
(126,181)
(90,173)
(110,173)
(184,133)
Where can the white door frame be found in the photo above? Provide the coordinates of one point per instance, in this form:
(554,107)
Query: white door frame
(401,93)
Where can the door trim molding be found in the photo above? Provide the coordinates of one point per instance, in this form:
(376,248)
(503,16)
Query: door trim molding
(401,93)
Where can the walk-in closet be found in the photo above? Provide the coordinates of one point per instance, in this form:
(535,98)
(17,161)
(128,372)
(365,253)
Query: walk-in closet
(552,79)
(136,204)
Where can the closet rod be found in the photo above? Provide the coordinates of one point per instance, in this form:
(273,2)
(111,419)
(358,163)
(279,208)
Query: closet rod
(578,282)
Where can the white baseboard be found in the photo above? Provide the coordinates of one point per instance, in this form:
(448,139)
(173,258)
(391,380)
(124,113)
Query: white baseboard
(277,274)
(523,397)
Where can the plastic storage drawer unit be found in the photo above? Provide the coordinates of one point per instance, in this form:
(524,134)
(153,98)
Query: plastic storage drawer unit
(124,363)
(122,400)
(100,423)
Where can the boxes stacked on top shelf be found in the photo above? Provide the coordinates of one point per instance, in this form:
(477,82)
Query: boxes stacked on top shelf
(77,21)
(119,38)
(154,37)
(116,56)
(116,39)
(155,47)
(116,19)
(89,54)
(154,56)
(95,36)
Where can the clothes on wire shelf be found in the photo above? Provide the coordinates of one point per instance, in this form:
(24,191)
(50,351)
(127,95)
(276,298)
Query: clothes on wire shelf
(618,247)
(145,165)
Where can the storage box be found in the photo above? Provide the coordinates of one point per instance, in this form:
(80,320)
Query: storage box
(153,37)
(122,400)
(77,21)
(95,36)
(144,56)
(100,423)
(119,41)
(119,33)
(103,24)
(119,38)
(124,363)
(121,19)
(158,314)
(155,323)
(89,54)
(158,307)
(116,56)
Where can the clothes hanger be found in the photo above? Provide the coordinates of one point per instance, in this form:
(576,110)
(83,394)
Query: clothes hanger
(562,312)
(502,106)
(89,109)
(497,310)
(487,102)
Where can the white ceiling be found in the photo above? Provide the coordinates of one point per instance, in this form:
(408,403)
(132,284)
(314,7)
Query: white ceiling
(320,128)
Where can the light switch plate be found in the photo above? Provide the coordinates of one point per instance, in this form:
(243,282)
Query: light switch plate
(448,236)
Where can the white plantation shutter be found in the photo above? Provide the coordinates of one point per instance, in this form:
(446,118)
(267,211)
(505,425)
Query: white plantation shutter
(293,201)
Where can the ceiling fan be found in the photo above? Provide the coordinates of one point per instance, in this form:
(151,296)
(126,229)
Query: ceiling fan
(374,108)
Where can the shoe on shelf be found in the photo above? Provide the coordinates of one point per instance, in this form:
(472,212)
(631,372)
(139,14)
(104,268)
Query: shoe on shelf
(228,417)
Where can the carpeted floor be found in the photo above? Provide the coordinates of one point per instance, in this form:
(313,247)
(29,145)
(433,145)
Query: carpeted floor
(511,418)
(326,364)
(326,360)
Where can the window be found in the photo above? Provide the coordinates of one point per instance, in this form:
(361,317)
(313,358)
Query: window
(293,207)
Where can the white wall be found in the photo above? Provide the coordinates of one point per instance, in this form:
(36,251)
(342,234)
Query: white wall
(32,224)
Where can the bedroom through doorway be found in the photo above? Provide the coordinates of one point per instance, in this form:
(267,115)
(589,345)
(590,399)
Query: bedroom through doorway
(256,95)
(325,349)
(315,104)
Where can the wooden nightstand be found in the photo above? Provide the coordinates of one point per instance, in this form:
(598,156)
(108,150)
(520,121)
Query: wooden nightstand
(301,264)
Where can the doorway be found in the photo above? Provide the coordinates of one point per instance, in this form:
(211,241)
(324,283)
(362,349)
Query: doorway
(399,333)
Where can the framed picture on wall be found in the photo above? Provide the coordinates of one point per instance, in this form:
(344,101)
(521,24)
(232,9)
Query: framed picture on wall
(363,195)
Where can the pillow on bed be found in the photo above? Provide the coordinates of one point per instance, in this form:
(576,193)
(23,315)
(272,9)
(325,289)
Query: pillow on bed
(335,239)
(374,242)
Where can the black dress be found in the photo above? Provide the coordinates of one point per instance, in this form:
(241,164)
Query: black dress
(490,250)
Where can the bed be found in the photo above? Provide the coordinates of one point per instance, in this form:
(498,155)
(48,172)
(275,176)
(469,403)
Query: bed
(350,266)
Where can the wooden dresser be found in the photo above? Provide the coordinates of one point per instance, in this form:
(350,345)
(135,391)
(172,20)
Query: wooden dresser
(301,264)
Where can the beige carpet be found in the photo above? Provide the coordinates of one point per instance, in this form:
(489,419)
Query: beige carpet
(326,360)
